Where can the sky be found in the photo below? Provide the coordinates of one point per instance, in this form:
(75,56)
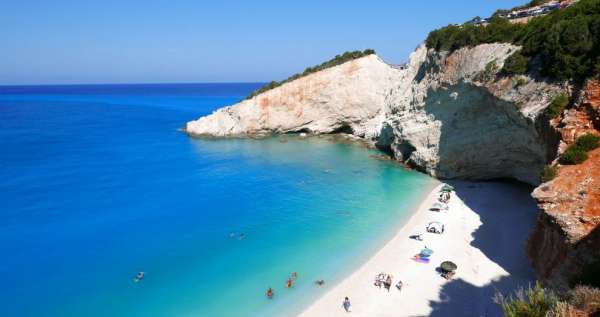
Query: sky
(84,42)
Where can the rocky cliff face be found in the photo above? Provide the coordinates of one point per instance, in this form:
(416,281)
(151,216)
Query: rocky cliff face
(345,98)
(567,234)
(425,114)
(455,118)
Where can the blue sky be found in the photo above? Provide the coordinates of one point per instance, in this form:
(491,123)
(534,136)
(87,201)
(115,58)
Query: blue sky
(67,42)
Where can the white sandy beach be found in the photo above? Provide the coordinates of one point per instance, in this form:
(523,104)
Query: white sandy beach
(485,230)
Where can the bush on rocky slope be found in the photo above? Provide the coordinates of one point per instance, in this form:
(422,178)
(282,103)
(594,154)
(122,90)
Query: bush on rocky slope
(516,64)
(337,60)
(540,302)
(549,173)
(577,152)
(573,155)
(565,43)
(588,142)
(557,106)
(531,302)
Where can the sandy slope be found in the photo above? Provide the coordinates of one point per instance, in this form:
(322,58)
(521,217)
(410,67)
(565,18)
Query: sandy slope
(486,228)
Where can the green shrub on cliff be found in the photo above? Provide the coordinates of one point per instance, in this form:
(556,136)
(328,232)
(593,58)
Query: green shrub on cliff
(549,173)
(337,60)
(588,142)
(516,64)
(564,43)
(538,302)
(573,155)
(530,302)
(576,153)
(557,106)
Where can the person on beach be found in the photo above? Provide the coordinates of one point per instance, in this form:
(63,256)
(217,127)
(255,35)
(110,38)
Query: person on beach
(270,293)
(346,304)
(289,283)
(388,282)
(399,285)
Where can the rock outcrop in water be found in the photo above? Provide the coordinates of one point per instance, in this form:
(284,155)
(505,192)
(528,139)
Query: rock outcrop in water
(425,114)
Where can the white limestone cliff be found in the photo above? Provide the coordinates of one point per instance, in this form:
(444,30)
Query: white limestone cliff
(347,97)
(447,114)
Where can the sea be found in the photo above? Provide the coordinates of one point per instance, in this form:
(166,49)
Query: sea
(98,183)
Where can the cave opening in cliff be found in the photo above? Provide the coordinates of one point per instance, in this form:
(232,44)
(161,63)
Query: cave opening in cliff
(344,128)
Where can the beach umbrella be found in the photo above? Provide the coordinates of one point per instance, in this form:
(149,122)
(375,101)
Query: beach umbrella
(435,224)
(448,266)
(426,252)
(447,188)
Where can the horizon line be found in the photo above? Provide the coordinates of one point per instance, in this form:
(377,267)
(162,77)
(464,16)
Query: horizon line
(135,83)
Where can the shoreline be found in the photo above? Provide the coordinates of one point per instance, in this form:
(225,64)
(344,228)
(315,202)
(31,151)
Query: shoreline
(481,270)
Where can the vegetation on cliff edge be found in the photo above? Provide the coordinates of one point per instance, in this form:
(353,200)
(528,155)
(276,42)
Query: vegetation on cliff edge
(576,153)
(557,106)
(531,302)
(337,60)
(539,302)
(549,173)
(562,45)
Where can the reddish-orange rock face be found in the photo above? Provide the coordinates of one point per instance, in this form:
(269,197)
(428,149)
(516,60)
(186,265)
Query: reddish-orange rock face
(566,234)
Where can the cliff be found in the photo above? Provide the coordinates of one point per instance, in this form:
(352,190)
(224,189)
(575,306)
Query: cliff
(344,98)
(566,237)
(424,114)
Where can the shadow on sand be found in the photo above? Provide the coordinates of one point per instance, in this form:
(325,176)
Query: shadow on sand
(508,214)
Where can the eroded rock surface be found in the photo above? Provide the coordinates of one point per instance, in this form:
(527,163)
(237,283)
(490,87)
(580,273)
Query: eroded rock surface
(449,115)
(567,234)
(345,98)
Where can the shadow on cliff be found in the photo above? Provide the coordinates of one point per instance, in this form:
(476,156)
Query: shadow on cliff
(507,213)
(484,137)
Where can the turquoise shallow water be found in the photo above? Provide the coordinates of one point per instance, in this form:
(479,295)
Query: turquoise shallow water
(97,183)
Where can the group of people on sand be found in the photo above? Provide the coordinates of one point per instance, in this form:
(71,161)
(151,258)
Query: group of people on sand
(385,280)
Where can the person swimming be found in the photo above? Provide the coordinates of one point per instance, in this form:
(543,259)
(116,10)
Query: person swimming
(270,293)
(242,236)
(289,283)
(139,276)
(294,275)
(320,282)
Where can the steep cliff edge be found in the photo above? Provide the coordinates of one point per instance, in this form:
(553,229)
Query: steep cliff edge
(566,237)
(457,118)
(345,98)
(424,114)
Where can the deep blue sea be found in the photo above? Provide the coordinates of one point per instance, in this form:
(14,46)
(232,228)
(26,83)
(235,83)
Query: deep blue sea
(97,183)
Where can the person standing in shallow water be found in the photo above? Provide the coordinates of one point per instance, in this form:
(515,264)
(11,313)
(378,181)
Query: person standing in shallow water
(346,304)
